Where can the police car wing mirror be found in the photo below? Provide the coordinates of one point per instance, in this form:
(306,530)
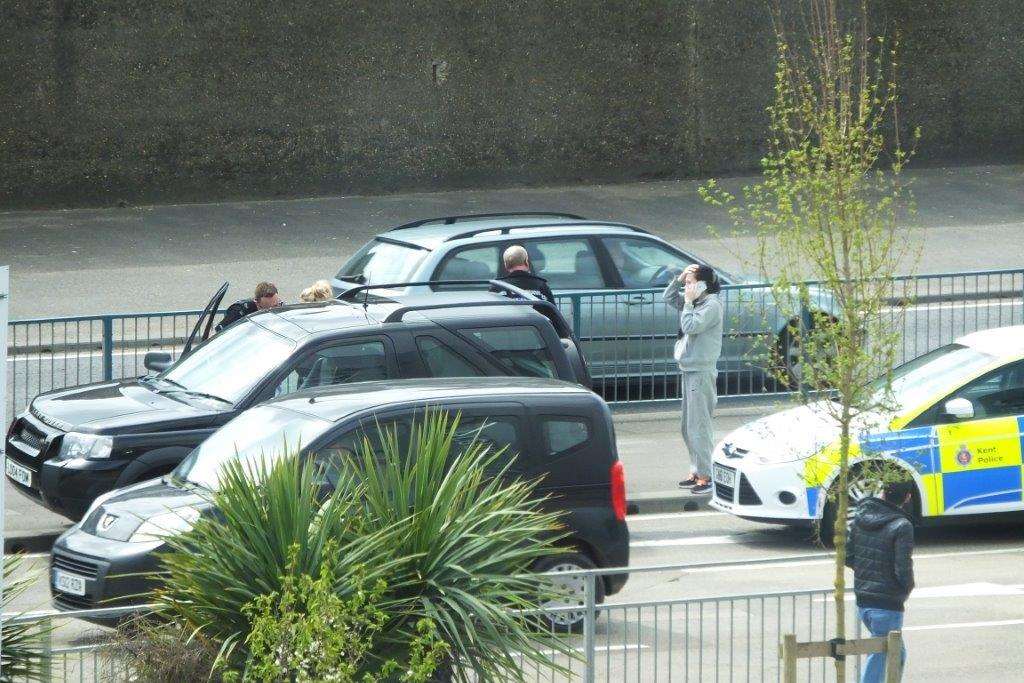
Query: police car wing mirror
(959,408)
(157,361)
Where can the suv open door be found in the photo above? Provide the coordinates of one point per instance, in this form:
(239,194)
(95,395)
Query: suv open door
(158,361)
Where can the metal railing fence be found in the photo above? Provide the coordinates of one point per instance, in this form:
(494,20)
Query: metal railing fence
(53,353)
(690,638)
(628,335)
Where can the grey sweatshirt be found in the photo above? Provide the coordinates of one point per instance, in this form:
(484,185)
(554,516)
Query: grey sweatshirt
(701,324)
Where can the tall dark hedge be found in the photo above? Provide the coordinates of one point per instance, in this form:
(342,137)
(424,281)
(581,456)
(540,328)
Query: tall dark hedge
(109,100)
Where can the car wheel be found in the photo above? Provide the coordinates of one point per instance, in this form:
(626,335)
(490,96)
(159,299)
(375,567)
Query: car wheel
(859,488)
(571,590)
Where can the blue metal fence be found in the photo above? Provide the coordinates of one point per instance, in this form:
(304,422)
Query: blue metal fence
(628,335)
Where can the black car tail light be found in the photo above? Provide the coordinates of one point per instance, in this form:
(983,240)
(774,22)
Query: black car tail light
(618,490)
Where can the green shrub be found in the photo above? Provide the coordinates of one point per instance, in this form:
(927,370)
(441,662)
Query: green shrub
(307,632)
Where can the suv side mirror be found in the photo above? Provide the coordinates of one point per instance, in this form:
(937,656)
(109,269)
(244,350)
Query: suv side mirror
(959,408)
(157,361)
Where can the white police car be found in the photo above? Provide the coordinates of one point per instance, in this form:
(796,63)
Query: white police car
(957,431)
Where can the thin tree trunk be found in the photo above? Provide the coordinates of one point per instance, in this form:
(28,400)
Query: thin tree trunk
(840,536)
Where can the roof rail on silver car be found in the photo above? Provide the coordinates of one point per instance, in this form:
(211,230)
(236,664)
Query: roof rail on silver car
(531,226)
(451,220)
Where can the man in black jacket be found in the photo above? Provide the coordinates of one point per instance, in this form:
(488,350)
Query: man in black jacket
(517,265)
(265,297)
(879,549)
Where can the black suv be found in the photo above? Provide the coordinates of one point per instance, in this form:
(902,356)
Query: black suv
(559,433)
(72,445)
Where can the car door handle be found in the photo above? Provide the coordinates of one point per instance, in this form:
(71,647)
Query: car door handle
(638,300)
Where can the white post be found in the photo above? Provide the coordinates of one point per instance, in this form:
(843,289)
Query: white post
(4,297)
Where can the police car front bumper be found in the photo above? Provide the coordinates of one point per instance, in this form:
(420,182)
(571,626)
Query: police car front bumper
(766,492)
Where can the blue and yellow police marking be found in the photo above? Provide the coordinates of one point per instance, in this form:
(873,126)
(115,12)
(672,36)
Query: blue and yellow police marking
(981,462)
(959,465)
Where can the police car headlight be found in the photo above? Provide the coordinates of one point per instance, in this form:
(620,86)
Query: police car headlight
(93,446)
(167,524)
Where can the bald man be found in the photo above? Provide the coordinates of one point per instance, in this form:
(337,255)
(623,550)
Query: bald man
(517,269)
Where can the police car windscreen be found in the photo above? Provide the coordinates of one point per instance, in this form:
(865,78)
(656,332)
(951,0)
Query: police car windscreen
(935,373)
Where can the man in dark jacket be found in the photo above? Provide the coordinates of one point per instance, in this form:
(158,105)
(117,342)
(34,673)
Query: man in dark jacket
(879,550)
(265,297)
(517,265)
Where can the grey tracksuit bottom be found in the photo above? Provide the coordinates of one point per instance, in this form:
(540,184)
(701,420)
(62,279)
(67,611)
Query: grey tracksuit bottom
(699,396)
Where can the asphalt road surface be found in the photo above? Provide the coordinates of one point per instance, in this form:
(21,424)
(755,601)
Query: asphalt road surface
(152,258)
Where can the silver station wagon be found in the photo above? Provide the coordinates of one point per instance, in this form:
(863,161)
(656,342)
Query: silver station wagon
(607,277)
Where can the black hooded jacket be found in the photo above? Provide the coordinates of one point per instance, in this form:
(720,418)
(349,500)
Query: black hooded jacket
(236,312)
(879,549)
(530,282)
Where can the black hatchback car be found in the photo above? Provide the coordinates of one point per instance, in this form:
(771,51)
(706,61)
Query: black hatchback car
(72,445)
(554,431)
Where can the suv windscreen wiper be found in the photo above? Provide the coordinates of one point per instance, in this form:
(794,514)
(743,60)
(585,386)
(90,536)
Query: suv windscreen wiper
(200,394)
(358,279)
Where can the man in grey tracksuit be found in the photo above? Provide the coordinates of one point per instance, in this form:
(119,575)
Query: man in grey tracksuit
(695,294)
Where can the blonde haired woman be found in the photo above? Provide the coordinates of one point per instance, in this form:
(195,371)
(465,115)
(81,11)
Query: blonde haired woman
(318,291)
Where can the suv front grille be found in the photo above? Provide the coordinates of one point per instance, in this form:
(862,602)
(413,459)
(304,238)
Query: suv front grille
(32,437)
(723,492)
(82,567)
(748,496)
(66,601)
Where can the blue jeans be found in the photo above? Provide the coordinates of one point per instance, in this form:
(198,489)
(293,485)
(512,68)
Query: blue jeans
(879,622)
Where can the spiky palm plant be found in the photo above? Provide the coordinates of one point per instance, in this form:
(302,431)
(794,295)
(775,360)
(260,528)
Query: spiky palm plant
(21,656)
(468,537)
(263,512)
(450,537)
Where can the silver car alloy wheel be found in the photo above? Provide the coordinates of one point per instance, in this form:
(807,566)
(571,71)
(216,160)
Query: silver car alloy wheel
(574,590)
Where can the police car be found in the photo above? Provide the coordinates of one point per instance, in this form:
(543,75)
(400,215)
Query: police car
(956,428)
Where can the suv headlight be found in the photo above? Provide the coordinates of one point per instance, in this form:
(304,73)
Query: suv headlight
(167,524)
(93,446)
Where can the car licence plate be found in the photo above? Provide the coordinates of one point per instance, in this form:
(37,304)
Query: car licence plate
(68,583)
(22,475)
(723,475)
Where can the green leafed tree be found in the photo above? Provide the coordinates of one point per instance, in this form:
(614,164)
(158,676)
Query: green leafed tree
(827,219)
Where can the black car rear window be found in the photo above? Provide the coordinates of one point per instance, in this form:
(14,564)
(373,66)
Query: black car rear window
(564,434)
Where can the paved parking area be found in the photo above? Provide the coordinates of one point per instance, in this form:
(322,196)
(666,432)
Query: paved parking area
(156,258)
